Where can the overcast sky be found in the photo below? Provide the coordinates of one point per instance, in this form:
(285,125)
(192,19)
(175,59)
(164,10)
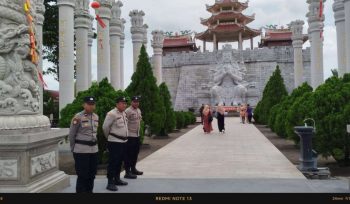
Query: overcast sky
(177,15)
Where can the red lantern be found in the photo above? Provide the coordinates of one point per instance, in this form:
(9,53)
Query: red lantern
(95,5)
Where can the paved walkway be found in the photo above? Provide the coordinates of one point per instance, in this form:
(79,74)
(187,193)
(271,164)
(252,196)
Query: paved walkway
(242,160)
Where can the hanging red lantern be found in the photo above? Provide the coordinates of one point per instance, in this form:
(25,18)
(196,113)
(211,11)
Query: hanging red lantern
(95,5)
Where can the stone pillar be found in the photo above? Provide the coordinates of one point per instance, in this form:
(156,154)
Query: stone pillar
(145,35)
(137,33)
(298,41)
(157,44)
(103,45)
(66,54)
(339,16)
(91,36)
(240,41)
(315,28)
(251,43)
(122,40)
(347,33)
(28,146)
(215,43)
(204,45)
(82,24)
(40,12)
(115,33)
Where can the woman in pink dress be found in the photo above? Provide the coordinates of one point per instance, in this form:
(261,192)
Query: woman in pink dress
(207,120)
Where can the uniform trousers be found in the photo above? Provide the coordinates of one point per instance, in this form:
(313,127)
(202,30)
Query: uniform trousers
(86,169)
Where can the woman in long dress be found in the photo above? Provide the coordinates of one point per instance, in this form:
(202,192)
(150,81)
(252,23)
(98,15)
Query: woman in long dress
(207,116)
(221,118)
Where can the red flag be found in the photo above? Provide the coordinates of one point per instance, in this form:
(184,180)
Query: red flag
(100,21)
(321,9)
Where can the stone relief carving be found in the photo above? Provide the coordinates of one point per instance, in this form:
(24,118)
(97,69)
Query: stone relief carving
(19,89)
(43,163)
(8,169)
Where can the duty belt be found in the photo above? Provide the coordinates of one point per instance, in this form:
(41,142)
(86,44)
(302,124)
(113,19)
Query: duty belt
(88,143)
(119,137)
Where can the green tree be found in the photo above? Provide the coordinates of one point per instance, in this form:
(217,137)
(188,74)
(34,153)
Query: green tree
(170,120)
(273,94)
(144,84)
(105,101)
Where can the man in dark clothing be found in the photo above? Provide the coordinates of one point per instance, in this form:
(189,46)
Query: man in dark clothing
(201,112)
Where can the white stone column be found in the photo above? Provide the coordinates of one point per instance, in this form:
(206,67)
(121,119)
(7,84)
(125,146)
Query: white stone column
(66,54)
(347,33)
(115,33)
(339,16)
(145,35)
(91,36)
(298,41)
(82,24)
(157,44)
(137,33)
(251,43)
(122,40)
(315,27)
(40,12)
(240,41)
(204,45)
(103,38)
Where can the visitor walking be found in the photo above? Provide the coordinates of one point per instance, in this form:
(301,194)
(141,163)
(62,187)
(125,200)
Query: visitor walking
(83,143)
(249,113)
(207,120)
(115,129)
(201,113)
(243,111)
(221,118)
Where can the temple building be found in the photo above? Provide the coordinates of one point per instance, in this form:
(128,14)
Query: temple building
(179,43)
(277,37)
(228,24)
(228,75)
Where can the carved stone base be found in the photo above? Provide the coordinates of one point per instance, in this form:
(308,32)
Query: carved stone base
(29,162)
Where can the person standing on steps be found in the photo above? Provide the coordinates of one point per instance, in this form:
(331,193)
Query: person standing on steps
(83,143)
(133,114)
(115,129)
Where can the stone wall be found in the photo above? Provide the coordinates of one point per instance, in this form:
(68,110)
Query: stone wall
(188,75)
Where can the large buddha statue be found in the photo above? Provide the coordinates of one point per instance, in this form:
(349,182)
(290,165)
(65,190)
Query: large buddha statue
(229,86)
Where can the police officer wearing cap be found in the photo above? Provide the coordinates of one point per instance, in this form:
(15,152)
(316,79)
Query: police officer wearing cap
(115,128)
(133,113)
(83,143)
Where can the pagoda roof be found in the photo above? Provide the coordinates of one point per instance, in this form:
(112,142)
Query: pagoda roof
(178,41)
(228,15)
(222,3)
(279,35)
(228,32)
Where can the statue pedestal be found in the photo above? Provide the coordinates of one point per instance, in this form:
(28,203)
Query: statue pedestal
(29,162)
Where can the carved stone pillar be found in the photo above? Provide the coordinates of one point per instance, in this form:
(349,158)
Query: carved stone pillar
(298,41)
(91,36)
(82,24)
(339,16)
(157,44)
(122,40)
(28,146)
(115,33)
(137,33)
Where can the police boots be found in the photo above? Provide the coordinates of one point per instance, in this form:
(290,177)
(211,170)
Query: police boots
(136,172)
(111,185)
(120,182)
(129,175)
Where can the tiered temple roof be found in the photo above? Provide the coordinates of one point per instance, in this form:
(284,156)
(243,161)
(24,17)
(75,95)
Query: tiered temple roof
(227,22)
(179,43)
(278,37)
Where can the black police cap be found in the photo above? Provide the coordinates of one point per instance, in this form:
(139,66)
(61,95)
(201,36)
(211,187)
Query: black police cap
(89,99)
(135,98)
(121,99)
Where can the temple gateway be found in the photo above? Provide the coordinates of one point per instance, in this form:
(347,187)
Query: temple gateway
(228,75)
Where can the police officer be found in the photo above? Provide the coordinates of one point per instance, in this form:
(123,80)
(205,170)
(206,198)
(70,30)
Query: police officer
(115,128)
(133,113)
(83,142)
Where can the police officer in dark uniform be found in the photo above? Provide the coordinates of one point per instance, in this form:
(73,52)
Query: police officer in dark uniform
(115,128)
(83,142)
